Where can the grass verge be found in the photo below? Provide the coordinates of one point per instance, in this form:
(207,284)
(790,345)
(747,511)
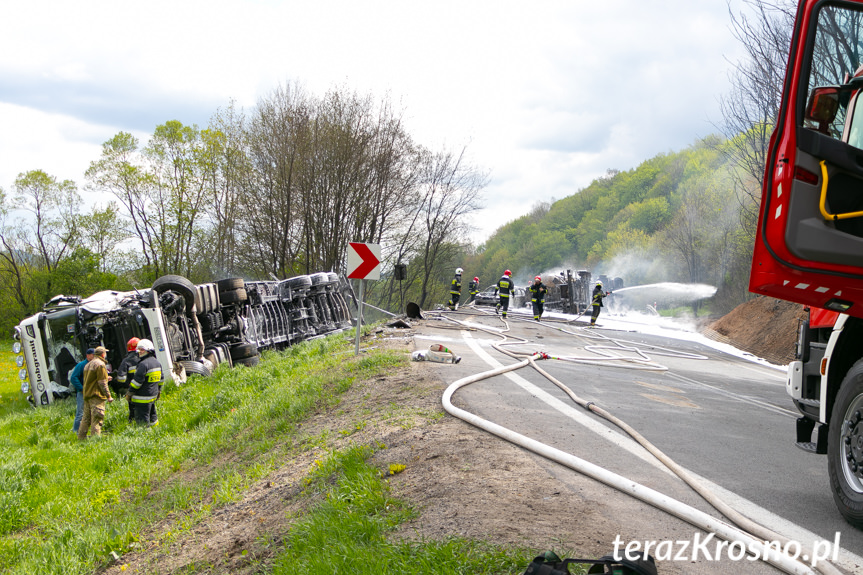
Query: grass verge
(69,507)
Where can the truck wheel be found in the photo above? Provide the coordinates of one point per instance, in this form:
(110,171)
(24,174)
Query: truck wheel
(206,298)
(299,282)
(243,350)
(196,367)
(231,284)
(320,279)
(177,284)
(250,361)
(234,296)
(845,447)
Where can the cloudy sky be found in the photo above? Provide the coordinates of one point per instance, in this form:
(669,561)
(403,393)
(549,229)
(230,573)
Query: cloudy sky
(544,95)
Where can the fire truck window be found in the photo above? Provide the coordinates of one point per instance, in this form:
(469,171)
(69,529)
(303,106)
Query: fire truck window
(837,55)
(855,130)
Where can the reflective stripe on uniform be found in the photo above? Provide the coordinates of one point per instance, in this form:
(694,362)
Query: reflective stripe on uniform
(144,398)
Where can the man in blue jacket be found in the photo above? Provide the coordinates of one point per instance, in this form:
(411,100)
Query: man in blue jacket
(77,379)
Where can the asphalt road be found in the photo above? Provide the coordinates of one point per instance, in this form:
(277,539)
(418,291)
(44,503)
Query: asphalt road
(724,418)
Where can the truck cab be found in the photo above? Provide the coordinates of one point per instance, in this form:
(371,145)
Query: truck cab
(809,242)
(194,328)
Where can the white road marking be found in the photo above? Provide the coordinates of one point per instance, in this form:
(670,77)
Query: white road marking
(753,511)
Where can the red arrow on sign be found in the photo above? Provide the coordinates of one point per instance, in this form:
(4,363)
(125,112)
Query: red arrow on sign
(367,264)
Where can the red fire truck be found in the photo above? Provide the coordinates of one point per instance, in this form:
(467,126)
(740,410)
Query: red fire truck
(809,247)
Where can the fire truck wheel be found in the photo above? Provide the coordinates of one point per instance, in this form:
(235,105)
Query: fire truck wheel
(845,447)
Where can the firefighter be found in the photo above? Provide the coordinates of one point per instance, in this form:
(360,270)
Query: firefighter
(474,289)
(503,289)
(126,371)
(146,386)
(596,302)
(455,290)
(538,291)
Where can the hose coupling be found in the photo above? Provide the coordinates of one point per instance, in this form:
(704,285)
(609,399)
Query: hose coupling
(588,404)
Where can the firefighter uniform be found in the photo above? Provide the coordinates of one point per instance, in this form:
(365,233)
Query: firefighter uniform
(454,292)
(473,287)
(537,291)
(503,289)
(596,302)
(145,389)
(125,374)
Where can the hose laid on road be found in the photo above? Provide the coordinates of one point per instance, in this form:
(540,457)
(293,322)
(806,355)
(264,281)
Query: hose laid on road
(750,532)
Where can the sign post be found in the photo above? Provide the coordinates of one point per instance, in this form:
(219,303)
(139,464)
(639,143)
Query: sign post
(364,263)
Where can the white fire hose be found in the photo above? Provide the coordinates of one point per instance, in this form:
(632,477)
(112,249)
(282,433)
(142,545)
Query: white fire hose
(754,535)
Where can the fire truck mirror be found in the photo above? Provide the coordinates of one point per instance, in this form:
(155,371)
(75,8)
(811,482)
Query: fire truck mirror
(823,104)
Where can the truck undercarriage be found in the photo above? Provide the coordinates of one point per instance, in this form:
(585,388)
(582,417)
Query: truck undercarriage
(194,328)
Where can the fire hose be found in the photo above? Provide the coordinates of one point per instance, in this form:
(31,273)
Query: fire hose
(748,533)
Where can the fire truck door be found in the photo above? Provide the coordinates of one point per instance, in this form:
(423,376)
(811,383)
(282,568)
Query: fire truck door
(809,244)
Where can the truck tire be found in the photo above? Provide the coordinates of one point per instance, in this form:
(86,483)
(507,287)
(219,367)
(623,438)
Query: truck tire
(234,296)
(299,282)
(320,279)
(845,447)
(177,284)
(231,284)
(206,298)
(243,350)
(196,367)
(249,361)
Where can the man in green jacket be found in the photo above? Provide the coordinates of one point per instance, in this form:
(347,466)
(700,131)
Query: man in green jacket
(96,394)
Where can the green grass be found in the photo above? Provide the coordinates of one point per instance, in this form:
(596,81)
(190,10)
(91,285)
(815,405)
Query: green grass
(65,506)
(11,398)
(347,531)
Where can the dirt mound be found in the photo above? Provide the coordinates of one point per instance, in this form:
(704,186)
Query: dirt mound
(764,326)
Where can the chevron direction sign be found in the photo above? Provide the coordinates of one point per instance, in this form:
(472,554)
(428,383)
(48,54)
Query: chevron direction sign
(364,261)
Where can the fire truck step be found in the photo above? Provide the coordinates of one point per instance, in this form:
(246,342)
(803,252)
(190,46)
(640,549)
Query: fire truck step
(808,446)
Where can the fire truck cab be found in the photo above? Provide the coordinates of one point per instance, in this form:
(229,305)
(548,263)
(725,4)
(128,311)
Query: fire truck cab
(809,243)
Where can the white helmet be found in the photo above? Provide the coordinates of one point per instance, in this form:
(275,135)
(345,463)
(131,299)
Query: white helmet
(458,271)
(145,345)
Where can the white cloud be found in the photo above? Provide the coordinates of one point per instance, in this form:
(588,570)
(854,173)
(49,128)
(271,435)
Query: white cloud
(547,96)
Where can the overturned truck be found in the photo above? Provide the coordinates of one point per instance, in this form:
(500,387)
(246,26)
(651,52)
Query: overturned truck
(571,292)
(194,328)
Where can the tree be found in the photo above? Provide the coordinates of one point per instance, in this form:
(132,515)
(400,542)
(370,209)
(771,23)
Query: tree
(53,206)
(101,231)
(227,172)
(177,159)
(121,172)
(750,109)
(450,190)
(276,144)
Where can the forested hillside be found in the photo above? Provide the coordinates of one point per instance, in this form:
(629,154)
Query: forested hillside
(676,217)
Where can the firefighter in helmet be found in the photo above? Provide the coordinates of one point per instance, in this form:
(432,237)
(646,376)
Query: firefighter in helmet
(126,371)
(596,302)
(455,290)
(537,291)
(474,289)
(146,386)
(503,290)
